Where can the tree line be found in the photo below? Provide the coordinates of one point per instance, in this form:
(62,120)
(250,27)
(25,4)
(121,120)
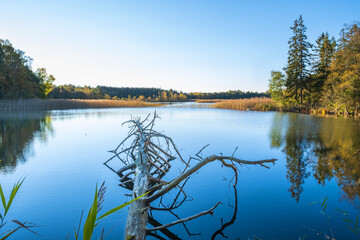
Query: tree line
(147,94)
(324,75)
(237,94)
(17,79)
(116,93)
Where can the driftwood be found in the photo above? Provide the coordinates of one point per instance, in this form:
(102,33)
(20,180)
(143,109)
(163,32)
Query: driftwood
(146,160)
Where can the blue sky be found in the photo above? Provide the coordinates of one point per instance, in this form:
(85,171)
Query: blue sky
(188,45)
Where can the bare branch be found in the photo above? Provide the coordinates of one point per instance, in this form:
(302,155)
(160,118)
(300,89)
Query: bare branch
(126,167)
(210,211)
(199,165)
(202,150)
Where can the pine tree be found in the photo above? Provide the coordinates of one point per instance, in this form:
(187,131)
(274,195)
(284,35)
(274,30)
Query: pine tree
(298,61)
(323,54)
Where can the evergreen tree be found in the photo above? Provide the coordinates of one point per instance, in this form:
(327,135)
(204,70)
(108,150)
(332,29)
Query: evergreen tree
(324,50)
(298,61)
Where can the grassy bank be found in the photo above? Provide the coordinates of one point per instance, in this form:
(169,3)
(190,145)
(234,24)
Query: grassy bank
(58,104)
(209,100)
(257,104)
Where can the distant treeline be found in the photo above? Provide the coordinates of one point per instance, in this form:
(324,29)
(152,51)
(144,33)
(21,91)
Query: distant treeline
(17,79)
(323,76)
(147,94)
(116,93)
(226,95)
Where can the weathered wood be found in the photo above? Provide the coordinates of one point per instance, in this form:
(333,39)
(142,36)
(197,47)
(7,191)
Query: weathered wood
(135,228)
(142,156)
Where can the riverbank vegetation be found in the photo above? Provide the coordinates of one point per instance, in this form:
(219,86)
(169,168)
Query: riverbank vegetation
(58,104)
(324,76)
(257,104)
(226,95)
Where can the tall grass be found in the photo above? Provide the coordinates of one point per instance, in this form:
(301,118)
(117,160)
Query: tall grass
(58,104)
(257,104)
(6,207)
(209,100)
(92,219)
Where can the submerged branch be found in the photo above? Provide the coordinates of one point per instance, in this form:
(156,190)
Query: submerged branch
(210,211)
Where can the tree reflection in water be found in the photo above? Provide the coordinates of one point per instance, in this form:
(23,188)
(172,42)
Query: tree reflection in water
(322,147)
(17,133)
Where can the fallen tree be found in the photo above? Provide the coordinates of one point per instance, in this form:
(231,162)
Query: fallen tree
(146,156)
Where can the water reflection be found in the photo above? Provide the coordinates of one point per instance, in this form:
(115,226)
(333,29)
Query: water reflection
(17,132)
(322,147)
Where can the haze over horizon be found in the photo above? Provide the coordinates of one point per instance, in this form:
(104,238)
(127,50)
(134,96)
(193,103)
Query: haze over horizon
(188,46)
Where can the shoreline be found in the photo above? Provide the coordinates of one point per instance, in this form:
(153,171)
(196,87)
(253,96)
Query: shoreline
(63,104)
(247,104)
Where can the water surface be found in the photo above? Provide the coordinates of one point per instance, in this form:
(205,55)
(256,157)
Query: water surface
(61,154)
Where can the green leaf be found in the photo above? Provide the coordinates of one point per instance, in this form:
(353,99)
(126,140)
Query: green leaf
(343,212)
(90,220)
(313,203)
(353,230)
(13,194)
(115,209)
(75,233)
(349,221)
(10,233)
(2,197)
(324,201)
(322,213)
(325,207)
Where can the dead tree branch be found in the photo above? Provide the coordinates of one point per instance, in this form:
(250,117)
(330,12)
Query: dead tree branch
(146,155)
(210,211)
(199,165)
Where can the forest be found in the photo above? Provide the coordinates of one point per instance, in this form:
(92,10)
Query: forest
(17,79)
(324,76)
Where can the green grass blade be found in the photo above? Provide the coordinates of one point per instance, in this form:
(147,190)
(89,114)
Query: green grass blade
(115,209)
(10,233)
(2,197)
(341,211)
(349,221)
(24,226)
(353,230)
(75,234)
(91,218)
(324,201)
(13,194)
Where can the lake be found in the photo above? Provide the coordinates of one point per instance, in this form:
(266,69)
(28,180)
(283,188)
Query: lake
(61,155)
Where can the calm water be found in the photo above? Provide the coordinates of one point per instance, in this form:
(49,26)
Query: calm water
(61,154)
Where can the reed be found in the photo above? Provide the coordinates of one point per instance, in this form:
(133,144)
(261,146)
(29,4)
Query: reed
(257,104)
(58,104)
(6,207)
(209,100)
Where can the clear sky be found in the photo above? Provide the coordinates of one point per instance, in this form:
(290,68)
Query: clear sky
(187,45)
